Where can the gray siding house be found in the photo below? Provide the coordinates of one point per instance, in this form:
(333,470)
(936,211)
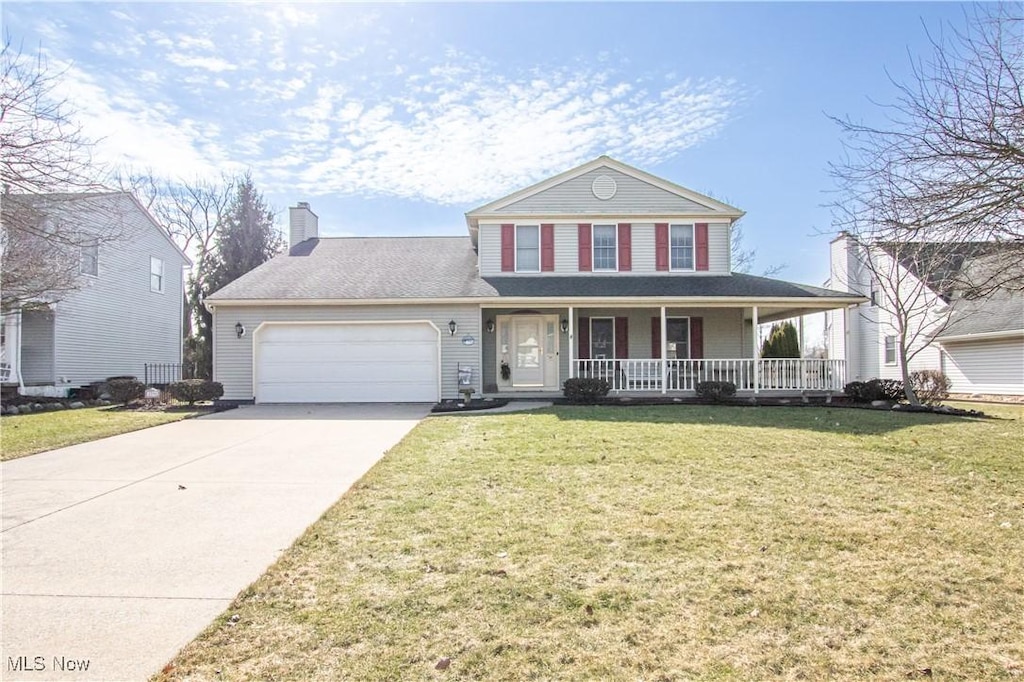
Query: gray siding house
(127,311)
(602,271)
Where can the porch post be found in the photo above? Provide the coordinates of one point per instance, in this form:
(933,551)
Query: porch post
(757,354)
(572,335)
(664,353)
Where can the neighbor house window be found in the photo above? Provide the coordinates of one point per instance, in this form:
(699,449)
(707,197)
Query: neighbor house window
(528,248)
(602,338)
(605,256)
(89,262)
(681,247)
(156,275)
(890,350)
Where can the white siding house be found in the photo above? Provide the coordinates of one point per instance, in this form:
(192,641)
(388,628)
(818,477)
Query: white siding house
(127,311)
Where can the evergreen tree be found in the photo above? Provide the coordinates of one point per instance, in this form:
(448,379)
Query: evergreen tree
(245,238)
(782,342)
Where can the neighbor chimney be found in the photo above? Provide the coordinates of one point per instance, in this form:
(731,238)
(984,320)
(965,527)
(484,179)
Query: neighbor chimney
(303,224)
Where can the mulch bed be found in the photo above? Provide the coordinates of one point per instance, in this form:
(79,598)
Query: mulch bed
(473,405)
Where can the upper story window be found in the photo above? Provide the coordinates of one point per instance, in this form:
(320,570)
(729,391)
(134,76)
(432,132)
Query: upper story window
(528,248)
(681,247)
(89,260)
(156,275)
(605,248)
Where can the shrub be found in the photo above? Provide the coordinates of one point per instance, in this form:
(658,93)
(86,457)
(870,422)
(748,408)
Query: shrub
(875,389)
(125,390)
(891,389)
(585,391)
(930,386)
(715,390)
(191,390)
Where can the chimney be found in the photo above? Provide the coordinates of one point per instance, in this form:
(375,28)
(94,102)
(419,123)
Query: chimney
(303,224)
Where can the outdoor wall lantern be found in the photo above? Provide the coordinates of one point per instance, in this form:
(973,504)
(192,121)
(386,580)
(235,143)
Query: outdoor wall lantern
(452,327)
(565,325)
(490,326)
(239,330)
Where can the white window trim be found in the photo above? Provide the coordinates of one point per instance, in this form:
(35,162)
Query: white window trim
(614,340)
(515,246)
(689,335)
(93,275)
(693,240)
(163,275)
(593,249)
(885,351)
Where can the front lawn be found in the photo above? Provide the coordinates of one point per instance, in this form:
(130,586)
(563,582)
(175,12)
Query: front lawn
(28,434)
(653,543)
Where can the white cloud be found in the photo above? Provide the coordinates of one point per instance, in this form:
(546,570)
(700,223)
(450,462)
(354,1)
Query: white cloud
(466,134)
(214,64)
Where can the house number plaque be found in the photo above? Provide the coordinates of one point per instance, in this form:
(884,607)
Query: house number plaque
(468,340)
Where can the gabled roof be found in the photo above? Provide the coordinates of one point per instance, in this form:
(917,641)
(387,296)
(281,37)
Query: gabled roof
(48,201)
(424,269)
(938,264)
(712,206)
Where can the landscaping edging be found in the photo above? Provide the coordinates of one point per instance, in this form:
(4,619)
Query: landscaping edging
(475,405)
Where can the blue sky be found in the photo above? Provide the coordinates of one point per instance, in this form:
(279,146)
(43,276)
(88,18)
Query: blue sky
(397,118)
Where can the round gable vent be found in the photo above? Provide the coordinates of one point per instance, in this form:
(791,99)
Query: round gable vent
(604,187)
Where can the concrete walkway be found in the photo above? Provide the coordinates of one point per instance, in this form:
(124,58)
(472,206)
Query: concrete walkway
(116,553)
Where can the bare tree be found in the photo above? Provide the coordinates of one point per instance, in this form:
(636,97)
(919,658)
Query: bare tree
(914,288)
(45,164)
(948,165)
(742,258)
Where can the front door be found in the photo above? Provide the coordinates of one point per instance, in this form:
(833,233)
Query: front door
(534,351)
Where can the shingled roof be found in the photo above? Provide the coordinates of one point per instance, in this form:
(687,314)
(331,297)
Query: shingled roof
(424,268)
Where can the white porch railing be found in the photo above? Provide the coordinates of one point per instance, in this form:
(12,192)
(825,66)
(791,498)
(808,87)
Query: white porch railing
(684,375)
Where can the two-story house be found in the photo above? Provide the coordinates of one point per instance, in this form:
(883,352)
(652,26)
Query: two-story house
(603,270)
(977,342)
(126,311)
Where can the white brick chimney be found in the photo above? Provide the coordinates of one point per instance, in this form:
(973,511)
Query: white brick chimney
(303,224)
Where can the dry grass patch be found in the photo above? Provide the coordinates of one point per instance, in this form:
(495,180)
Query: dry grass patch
(653,543)
(28,434)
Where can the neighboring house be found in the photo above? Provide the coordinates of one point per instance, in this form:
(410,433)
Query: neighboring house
(978,344)
(602,271)
(126,313)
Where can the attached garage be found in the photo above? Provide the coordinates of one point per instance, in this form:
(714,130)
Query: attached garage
(340,362)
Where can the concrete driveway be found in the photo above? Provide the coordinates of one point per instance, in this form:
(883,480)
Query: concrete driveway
(110,566)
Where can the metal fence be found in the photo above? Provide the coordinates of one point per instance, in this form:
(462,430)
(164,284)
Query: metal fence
(163,373)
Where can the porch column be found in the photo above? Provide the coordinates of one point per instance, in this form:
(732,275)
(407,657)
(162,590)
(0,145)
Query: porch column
(757,354)
(572,336)
(664,352)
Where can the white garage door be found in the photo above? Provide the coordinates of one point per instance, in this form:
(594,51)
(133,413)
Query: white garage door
(336,363)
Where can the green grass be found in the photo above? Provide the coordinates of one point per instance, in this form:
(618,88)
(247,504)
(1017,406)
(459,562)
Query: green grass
(31,433)
(653,543)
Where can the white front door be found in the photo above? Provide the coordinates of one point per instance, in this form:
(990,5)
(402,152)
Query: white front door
(534,351)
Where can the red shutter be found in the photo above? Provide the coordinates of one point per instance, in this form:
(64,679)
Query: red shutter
(701,237)
(583,334)
(508,248)
(621,338)
(547,248)
(697,338)
(661,246)
(656,337)
(625,247)
(585,250)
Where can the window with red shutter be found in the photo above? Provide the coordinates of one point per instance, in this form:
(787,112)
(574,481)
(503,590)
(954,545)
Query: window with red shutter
(547,248)
(701,230)
(625,247)
(508,248)
(661,246)
(584,248)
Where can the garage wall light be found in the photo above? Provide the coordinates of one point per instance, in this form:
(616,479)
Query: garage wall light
(452,327)
(490,326)
(239,330)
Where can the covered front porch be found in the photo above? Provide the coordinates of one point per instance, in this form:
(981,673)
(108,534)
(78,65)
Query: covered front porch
(642,349)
